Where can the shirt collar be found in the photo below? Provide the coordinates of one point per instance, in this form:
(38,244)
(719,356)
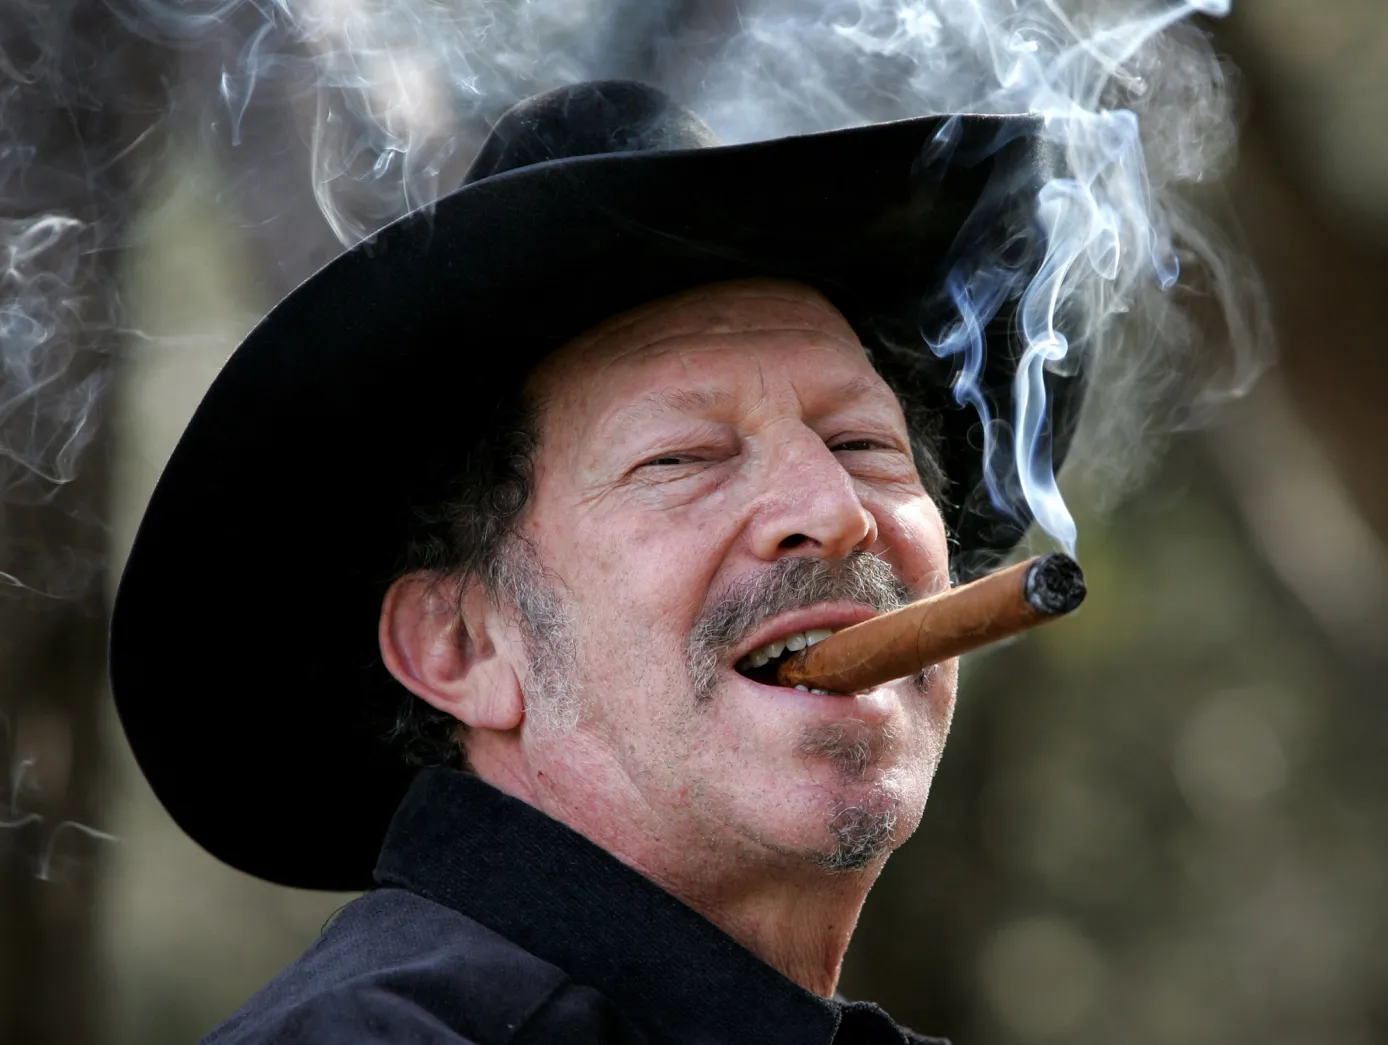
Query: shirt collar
(540,884)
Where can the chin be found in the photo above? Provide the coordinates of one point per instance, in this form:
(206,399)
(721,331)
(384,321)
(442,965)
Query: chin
(860,835)
(850,828)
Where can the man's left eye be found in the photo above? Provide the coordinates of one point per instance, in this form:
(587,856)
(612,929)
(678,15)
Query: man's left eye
(667,459)
(858,444)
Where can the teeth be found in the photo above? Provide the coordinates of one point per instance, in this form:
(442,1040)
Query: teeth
(802,688)
(763,655)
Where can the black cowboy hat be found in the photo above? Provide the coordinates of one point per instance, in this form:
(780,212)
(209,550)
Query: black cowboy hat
(244,656)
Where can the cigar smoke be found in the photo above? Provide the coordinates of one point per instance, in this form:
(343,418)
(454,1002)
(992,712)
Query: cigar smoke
(50,842)
(1141,107)
(371,108)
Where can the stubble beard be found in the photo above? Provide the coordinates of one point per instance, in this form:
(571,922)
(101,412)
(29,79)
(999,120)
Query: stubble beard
(553,706)
(859,831)
(861,834)
(862,829)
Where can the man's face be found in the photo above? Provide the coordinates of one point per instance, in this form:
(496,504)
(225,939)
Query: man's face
(710,470)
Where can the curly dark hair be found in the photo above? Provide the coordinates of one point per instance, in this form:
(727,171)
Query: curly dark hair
(460,536)
(464,534)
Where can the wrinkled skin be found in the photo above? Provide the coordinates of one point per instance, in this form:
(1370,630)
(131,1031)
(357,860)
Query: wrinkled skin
(685,448)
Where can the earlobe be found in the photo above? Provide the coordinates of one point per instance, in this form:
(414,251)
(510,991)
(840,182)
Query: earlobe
(443,651)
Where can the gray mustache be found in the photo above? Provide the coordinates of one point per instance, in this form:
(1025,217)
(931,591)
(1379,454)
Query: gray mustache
(788,584)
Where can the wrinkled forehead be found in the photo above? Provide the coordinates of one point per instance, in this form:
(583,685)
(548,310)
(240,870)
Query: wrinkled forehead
(744,307)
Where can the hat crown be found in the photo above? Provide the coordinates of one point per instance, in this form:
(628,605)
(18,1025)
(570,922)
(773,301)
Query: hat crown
(588,119)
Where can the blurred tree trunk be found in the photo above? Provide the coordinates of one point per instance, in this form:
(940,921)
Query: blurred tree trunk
(1325,281)
(72,86)
(51,677)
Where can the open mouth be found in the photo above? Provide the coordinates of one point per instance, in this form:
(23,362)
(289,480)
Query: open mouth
(761,664)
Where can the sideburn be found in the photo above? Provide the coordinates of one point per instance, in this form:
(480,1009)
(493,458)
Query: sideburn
(519,578)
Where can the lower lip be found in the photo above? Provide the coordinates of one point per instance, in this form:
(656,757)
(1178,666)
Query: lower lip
(872,705)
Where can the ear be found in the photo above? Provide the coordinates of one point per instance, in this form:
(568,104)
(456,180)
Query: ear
(456,661)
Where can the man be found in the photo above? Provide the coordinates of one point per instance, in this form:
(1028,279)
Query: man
(532,490)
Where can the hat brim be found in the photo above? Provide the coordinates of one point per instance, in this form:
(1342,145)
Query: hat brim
(243,644)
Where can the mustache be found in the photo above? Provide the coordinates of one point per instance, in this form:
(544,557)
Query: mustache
(788,584)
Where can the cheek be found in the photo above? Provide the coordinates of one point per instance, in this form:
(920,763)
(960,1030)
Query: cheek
(634,593)
(654,568)
(914,534)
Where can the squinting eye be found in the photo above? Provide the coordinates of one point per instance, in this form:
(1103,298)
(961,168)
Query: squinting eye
(859,444)
(669,459)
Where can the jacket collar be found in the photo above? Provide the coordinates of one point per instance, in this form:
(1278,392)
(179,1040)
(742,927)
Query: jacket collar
(551,891)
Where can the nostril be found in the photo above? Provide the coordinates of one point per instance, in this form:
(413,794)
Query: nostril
(795,540)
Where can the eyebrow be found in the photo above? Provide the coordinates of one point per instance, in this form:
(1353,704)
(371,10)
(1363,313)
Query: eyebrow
(694,401)
(864,387)
(680,400)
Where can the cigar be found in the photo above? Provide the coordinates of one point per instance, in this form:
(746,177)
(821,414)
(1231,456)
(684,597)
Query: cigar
(913,638)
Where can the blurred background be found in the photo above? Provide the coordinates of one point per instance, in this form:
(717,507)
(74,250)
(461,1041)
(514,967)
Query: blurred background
(1165,821)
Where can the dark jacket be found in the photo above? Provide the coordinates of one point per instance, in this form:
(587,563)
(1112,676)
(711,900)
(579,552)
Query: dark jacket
(496,924)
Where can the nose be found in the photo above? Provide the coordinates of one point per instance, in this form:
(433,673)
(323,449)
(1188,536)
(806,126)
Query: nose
(810,506)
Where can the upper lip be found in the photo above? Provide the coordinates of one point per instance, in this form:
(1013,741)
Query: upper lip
(833,615)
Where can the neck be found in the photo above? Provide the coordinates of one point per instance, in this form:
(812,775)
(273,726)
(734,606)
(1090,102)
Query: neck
(801,929)
(784,908)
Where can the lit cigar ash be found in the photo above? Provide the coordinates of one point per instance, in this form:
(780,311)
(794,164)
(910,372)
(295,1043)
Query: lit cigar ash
(907,640)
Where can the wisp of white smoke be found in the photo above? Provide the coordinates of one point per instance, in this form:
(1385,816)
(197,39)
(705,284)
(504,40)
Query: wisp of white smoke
(393,96)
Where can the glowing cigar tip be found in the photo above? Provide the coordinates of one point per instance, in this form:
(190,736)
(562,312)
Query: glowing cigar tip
(1054,584)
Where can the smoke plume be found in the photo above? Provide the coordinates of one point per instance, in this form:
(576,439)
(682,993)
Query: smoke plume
(373,108)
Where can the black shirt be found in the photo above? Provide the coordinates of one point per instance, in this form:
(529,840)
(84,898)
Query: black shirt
(497,925)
